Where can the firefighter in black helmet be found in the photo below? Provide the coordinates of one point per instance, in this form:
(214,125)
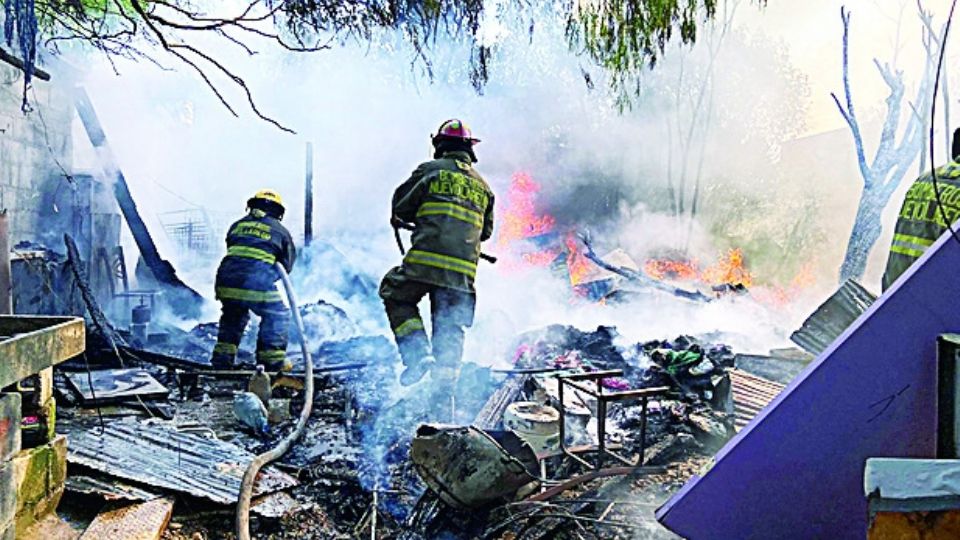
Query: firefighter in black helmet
(451,208)
(246,281)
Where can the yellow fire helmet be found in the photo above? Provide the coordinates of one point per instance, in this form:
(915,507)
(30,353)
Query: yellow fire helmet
(268,195)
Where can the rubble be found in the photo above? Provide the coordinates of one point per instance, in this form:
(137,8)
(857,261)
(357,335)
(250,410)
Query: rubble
(361,465)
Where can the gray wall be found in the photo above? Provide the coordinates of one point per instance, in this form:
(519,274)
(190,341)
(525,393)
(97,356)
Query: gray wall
(31,146)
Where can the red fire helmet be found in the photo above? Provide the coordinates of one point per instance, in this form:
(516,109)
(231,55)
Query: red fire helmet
(454,129)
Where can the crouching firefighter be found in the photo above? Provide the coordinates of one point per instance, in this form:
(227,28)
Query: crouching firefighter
(449,207)
(246,281)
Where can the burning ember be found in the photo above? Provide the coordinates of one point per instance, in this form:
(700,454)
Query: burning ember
(729,270)
(666,269)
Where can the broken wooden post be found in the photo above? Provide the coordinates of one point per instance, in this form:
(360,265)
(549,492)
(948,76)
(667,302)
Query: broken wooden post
(6,284)
(308,201)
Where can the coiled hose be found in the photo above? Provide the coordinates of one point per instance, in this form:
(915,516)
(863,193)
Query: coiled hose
(249,477)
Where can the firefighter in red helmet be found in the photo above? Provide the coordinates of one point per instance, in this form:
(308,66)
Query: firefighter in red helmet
(451,209)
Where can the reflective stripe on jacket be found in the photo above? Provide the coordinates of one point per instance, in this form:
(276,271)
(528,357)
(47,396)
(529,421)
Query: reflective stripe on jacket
(921,221)
(452,208)
(254,244)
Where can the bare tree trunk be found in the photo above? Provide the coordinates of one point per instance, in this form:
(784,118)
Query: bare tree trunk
(892,159)
(865,233)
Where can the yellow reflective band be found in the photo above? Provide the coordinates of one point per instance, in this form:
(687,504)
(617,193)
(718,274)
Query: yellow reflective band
(251,225)
(272,355)
(408,327)
(225,348)
(915,253)
(443,262)
(248,252)
(916,240)
(244,295)
(453,210)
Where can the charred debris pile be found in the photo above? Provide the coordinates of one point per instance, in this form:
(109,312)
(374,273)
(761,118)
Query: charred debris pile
(578,423)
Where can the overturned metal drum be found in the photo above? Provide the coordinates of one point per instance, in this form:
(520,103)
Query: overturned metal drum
(471,468)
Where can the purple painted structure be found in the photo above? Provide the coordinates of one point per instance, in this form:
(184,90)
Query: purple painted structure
(796,471)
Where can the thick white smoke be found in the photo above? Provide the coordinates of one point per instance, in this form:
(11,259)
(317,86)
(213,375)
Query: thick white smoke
(369,116)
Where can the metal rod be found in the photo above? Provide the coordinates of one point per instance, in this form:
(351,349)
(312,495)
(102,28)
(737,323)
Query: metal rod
(601,431)
(6,282)
(308,200)
(643,431)
(373,517)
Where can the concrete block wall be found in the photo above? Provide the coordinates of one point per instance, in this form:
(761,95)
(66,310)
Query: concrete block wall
(35,150)
(10,442)
(39,476)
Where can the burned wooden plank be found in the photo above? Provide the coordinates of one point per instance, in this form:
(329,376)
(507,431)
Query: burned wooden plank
(141,521)
(110,385)
(162,457)
(34,343)
(491,414)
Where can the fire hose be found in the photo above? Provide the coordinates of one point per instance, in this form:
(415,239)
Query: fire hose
(249,477)
(400,224)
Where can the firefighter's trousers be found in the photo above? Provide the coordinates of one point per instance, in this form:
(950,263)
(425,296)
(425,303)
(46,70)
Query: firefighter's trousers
(451,311)
(271,340)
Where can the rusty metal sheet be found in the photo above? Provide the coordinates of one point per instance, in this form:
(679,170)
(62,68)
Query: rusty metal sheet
(29,344)
(116,384)
(140,521)
(750,395)
(158,455)
(110,489)
(837,313)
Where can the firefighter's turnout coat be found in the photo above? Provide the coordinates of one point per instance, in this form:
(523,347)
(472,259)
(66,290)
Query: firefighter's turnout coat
(921,221)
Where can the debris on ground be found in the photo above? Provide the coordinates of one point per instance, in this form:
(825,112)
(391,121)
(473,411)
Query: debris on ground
(160,424)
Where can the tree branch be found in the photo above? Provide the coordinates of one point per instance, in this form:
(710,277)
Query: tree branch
(849,114)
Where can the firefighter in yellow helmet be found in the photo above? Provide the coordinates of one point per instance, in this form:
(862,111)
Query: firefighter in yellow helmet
(451,208)
(246,281)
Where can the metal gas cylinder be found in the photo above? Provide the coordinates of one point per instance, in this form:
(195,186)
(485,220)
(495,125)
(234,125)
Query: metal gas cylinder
(535,423)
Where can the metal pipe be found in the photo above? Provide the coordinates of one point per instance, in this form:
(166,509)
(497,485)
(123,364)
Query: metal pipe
(6,282)
(308,200)
(246,487)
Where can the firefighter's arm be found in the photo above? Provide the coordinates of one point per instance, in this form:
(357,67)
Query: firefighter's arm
(407,197)
(288,252)
(487,231)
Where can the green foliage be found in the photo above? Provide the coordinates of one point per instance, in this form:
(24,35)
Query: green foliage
(625,36)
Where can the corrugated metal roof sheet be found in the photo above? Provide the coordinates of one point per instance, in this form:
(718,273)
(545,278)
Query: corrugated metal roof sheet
(750,395)
(160,456)
(826,324)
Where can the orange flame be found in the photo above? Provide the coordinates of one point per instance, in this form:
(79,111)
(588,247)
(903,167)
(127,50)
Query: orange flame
(666,269)
(728,270)
(519,215)
(578,265)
